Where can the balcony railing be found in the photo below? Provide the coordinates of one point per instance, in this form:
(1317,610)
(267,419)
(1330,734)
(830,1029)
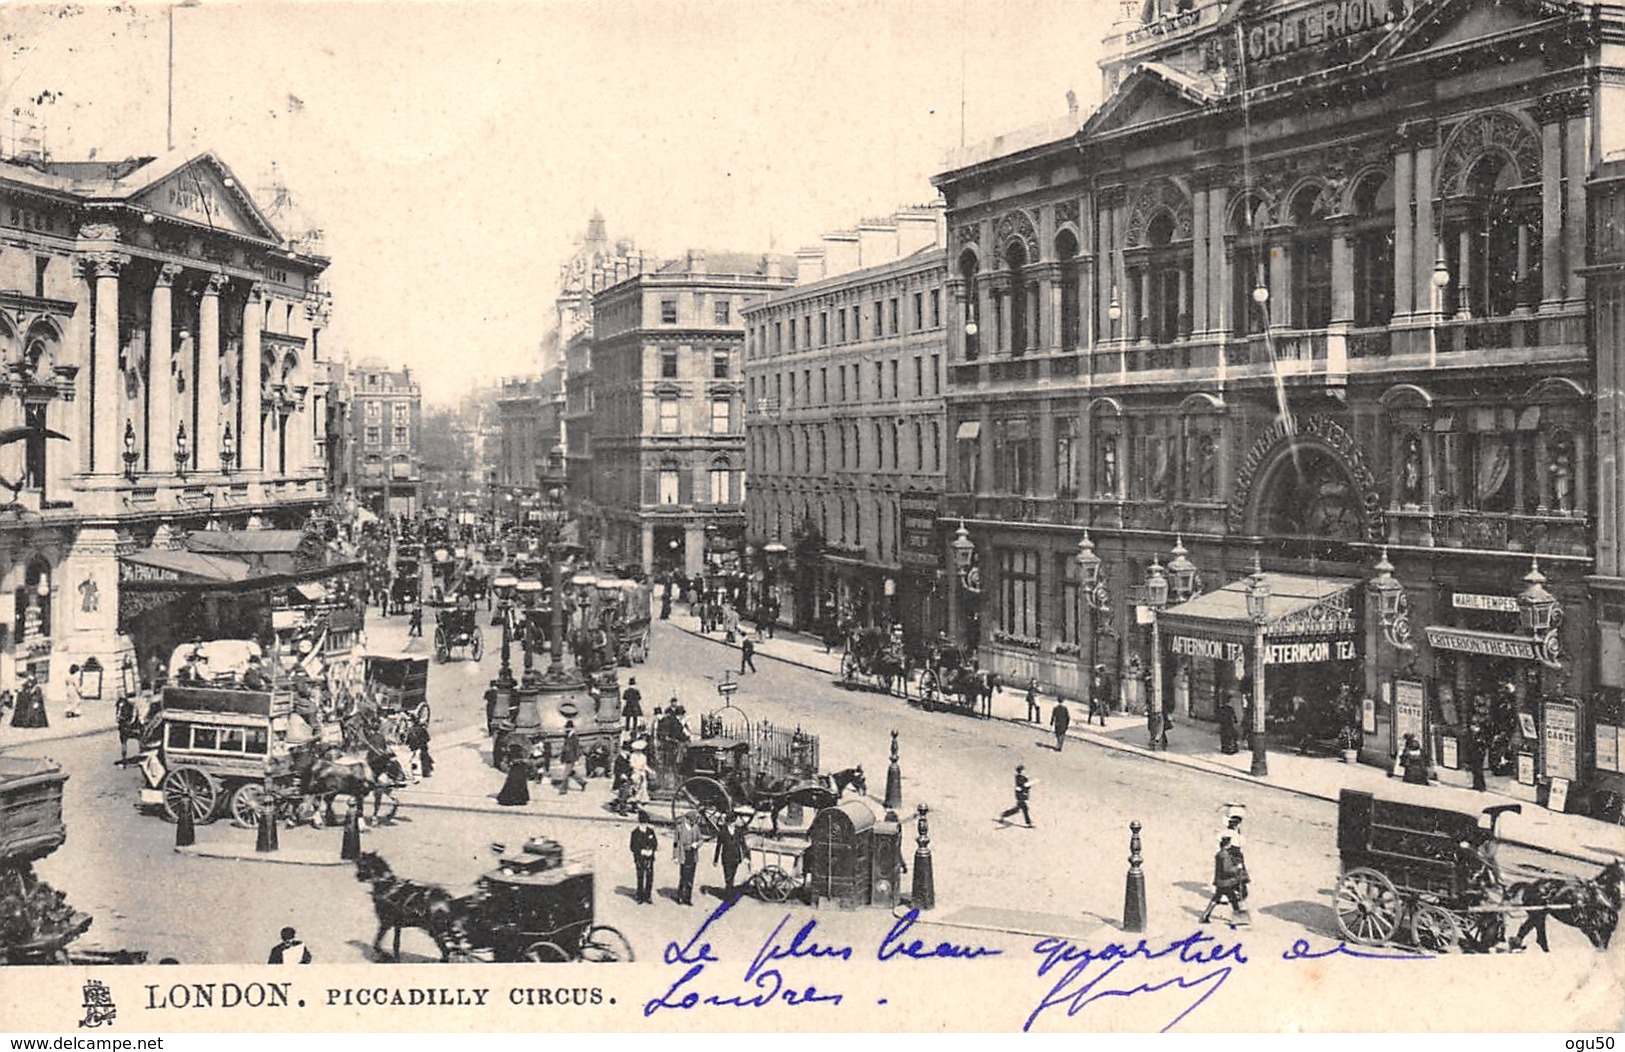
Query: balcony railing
(1545,533)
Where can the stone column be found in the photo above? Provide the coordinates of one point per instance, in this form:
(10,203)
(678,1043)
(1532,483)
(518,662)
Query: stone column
(106,438)
(1551,206)
(1052,309)
(206,440)
(1007,301)
(1576,165)
(1200,261)
(647,551)
(161,394)
(958,315)
(693,549)
(984,449)
(1106,268)
(1280,286)
(1426,235)
(1142,306)
(1184,320)
(1218,268)
(1404,244)
(1522,284)
(1464,271)
(987,337)
(1046,448)
(250,444)
(1342,274)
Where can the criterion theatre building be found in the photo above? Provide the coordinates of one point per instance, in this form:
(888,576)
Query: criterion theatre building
(1307,292)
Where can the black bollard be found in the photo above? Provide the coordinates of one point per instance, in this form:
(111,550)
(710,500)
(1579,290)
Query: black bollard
(266,841)
(925,888)
(894,779)
(1134,888)
(185,826)
(352,836)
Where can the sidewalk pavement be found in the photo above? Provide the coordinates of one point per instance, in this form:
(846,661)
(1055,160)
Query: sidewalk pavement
(95,717)
(1195,744)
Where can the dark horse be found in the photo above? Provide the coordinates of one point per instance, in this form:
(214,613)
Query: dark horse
(841,781)
(1589,905)
(402,904)
(325,773)
(773,795)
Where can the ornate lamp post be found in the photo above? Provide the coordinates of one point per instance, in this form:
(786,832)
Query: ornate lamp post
(1393,605)
(1540,615)
(1092,586)
(182,452)
(1258,601)
(1156,599)
(1184,580)
(130,454)
(965,563)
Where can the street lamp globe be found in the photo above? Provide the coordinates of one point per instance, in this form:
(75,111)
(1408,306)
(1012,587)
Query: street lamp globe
(964,548)
(1537,607)
(1181,572)
(1156,586)
(1387,589)
(1261,295)
(1258,597)
(1088,562)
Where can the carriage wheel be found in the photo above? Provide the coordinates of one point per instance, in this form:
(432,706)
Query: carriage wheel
(605,945)
(442,651)
(1435,929)
(246,803)
(773,884)
(849,667)
(545,952)
(706,800)
(476,645)
(187,787)
(385,805)
(1367,907)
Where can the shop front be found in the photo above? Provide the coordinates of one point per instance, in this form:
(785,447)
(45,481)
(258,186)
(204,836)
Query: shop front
(1302,640)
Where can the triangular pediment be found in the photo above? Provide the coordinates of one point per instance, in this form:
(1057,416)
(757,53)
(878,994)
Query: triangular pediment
(1448,25)
(203,192)
(1151,93)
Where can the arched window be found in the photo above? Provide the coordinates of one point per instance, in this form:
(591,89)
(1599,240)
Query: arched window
(1249,267)
(1165,314)
(721,481)
(1066,250)
(1311,260)
(1373,252)
(1023,320)
(970,323)
(1488,239)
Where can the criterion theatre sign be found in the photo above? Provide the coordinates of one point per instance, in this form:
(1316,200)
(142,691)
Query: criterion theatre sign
(1486,644)
(1307,27)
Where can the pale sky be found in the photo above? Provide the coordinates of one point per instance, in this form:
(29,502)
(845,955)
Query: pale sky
(452,152)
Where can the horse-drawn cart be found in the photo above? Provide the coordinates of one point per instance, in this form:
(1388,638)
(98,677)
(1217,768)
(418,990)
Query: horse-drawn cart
(776,867)
(399,683)
(1422,876)
(538,907)
(457,628)
(950,681)
(876,656)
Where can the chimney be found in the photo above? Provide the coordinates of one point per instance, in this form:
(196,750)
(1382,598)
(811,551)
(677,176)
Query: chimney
(771,266)
(840,252)
(696,261)
(917,228)
(877,243)
(811,265)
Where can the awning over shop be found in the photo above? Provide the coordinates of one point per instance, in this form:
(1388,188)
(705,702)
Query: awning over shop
(210,564)
(1298,607)
(1488,644)
(157,565)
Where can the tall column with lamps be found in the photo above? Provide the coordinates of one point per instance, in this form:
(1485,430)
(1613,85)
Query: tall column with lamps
(160,359)
(1184,582)
(1258,601)
(1092,582)
(966,564)
(1156,599)
(1393,608)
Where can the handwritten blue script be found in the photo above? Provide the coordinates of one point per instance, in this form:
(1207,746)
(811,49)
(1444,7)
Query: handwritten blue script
(1301,950)
(707,981)
(1196,964)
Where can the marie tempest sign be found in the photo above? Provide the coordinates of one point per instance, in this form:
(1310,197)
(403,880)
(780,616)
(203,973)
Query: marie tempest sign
(1320,24)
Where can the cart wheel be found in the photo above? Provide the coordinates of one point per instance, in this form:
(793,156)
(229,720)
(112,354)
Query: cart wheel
(706,801)
(385,806)
(477,645)
(188,787)
(1435,929)
(442,651)
(246,802)
(1367,907)
(605,945)
(849,667)
(773,884)
(545,952)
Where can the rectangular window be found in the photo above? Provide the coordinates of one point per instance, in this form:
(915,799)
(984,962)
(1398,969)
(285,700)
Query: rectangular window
(42,267)
(668,365)
(919,311)
(778,337)
(792,328)
(719,485)
(375,435)
(840,374)
(936,374)
(719,365)
(668,416)
(936,308)
(720,312)
(840,317)
(806,330)
(823,328)
(668,312)
(857,323)
(374,411)
(806,387)
(1066,457)
(894,377)
(891,316)
(720,424)
(919,377)
(1018,591)
(1068,619)
(401,411)
(668,485)
(823,386)
(880,315)
(400,436)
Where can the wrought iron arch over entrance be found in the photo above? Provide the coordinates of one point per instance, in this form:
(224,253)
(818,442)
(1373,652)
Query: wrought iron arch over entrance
(1307,478)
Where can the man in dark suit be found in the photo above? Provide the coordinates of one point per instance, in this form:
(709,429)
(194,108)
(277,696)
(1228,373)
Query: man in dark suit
(290,950)
(1024,789)
(643,844)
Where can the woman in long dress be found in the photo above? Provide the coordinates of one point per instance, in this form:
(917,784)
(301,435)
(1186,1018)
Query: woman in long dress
(30,710)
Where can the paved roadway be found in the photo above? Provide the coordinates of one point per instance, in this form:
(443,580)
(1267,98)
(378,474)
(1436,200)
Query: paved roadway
(1061,877)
